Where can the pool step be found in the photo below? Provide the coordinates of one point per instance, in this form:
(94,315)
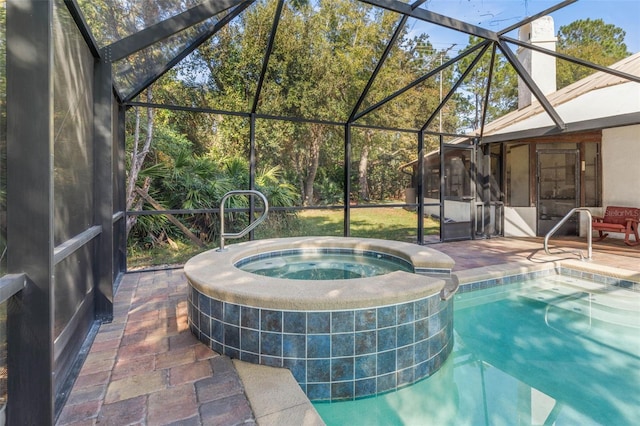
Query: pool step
(610,297)
(480,297)
(592,300)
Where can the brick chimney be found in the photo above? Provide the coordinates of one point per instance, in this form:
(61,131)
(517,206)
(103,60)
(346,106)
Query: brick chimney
(540,66)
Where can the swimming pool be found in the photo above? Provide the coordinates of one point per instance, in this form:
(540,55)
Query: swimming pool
(554,350)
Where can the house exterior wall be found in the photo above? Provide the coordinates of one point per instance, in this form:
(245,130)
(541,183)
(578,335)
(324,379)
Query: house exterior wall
(620,151)
(620,172)
(520,221)
(519,217)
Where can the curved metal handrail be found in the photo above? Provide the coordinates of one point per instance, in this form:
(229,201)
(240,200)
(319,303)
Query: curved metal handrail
(245,231)
(564,219)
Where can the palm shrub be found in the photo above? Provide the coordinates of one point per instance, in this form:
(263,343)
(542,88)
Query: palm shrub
(279,193)
(189,181)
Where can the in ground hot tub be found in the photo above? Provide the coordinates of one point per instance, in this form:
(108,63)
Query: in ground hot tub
(348,337)
(313,264)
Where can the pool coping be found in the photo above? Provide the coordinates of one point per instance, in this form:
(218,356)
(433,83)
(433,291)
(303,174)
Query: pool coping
(291,402)
(505,273)
(275,396)
(213,273)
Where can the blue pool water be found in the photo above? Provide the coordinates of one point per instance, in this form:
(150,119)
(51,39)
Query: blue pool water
(557,350)
(323,264)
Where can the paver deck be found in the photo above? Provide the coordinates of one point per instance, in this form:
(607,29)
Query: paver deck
(146,368)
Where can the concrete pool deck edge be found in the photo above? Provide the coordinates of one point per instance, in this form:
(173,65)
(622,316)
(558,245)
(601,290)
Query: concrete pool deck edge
(214,274)
(467,276)
(275,396)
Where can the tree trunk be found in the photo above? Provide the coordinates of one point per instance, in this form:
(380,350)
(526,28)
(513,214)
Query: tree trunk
(148,198)
(299,168)
(313,161)
(138,155)
(362,169)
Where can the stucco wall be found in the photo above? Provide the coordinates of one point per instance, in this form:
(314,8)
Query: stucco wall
(620,171)
(519,221)
(621,166)
(620,181)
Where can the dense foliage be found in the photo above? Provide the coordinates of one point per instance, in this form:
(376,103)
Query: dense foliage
(592,40)
(317,77)
(323,57)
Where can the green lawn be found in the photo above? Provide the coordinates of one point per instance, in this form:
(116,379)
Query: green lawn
(389,223)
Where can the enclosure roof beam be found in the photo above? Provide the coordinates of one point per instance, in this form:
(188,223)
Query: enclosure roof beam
(383,58)
(162,30)
(267,55)
(247,115)
(487,94)
(530,83)
(455,86)
(187,108)
(421,79)
(81,22)
(193,46)
(574,60)
(379,65)
(434,18)
(536,16)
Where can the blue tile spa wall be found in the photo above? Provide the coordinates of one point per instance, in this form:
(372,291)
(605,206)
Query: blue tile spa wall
(332,354)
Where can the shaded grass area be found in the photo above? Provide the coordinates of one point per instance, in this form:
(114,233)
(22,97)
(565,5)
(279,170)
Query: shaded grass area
(166,254)
(388,223)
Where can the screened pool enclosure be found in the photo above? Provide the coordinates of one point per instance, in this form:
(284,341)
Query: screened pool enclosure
(124,122)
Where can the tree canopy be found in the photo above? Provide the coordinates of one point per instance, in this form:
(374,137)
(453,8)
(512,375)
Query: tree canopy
(318,76)
(323,56)
(592,40)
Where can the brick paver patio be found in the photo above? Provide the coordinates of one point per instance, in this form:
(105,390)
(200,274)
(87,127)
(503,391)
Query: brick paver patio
(146,368)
